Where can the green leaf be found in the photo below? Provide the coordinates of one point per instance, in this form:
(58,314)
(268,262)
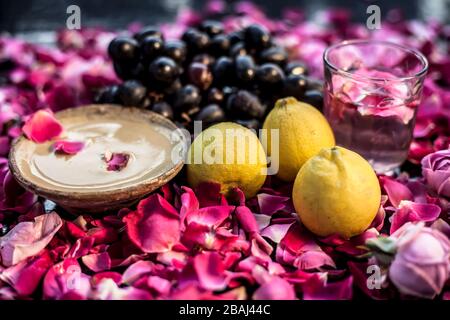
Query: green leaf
(384,245)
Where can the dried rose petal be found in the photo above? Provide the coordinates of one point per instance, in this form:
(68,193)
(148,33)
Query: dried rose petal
(68,147)
(42,126)
(116,161)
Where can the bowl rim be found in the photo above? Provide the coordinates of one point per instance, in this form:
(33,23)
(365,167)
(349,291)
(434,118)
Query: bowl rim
(119,194)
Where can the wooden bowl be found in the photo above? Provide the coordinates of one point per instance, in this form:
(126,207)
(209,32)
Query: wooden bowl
(102,200)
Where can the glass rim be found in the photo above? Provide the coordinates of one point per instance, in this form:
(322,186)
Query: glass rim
(410,50)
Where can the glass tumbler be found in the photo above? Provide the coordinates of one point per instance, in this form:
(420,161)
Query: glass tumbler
(372,92)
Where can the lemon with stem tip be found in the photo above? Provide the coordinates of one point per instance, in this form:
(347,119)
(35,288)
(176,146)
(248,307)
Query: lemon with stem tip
(302,132)
(336,192)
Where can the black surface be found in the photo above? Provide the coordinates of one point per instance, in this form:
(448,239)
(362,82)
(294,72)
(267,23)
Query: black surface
(33,15)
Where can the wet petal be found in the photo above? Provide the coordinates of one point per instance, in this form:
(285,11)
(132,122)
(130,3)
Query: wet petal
(116,161)
(68,147)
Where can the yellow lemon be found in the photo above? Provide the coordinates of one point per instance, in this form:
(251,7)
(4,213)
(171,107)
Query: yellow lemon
(303,131)
(336,192)
(229,154)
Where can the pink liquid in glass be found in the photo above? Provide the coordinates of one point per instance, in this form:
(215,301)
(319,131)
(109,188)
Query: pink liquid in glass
(372,111)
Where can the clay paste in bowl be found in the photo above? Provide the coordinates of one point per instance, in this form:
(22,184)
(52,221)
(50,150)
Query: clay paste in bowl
(154,146)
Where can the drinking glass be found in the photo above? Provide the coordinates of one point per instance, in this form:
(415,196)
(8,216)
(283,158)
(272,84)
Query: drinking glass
(372,92)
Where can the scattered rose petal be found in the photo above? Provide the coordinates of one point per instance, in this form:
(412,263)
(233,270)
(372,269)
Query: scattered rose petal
(210,271)
(25,276)
(396,191)
(65,279)
(144,225)
(276,232)
(275,289)
(107,289)
(97,261)
(28,238)
(269,204)
(68,147)
(136,270)
(413,212)
(42,126)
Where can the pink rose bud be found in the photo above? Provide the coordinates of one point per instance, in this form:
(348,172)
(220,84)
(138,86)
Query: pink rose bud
(422,262)
(436,170)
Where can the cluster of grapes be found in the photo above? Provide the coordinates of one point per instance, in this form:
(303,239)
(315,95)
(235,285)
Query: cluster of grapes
(208,75)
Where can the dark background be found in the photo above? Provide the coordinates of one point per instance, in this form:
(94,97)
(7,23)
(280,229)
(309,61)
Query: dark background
(18,16)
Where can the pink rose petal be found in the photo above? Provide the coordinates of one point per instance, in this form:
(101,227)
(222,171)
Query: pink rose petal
(98,277)
(97,261)
(42,126)
(28,238)
(413,212)
(116,161)
(160,285)
(269,204)
(209,216)
(313,260)
(396,191)
(107,289)
(208,194)
(68,147)
(25,276)
(246,219)
(189,204)
(145,225)
(298,240)
(210,271)
(137,270)
(276,232)
(275,289)
(65,279)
